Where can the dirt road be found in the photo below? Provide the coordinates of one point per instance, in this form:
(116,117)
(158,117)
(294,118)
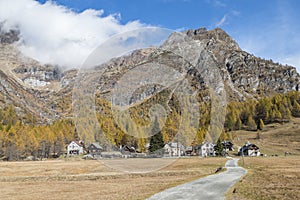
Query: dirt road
(213,187)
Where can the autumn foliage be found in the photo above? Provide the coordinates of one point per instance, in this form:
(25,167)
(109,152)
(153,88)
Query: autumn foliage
(21,137)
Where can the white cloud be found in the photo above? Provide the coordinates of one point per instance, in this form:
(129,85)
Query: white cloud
(216,3)
(54,34)
(227,18)
(222,21)
(219,4)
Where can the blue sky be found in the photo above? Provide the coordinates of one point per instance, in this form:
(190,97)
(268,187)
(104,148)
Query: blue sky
(268,28)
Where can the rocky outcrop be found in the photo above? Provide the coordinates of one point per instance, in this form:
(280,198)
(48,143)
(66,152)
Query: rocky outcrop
(40,90)
(261,77)
(9,37)
(46,91)
(38,76)
(245,75)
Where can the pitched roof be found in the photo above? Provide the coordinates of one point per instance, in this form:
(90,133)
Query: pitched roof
(127,148)
(250,146)
(96,145)
(175,145)
(79,143)
(227,142)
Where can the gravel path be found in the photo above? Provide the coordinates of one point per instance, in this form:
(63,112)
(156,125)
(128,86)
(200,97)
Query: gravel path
(213,187)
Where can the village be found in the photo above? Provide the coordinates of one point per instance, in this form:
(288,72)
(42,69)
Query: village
(171,149)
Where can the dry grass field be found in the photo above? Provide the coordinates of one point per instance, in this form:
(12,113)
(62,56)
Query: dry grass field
(269,178)
(80,179)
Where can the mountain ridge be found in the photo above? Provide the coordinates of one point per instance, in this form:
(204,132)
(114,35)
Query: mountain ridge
(48,89)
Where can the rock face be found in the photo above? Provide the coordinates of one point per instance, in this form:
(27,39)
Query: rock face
(245,75)
(46,91)
(40,90)
(38,76)
(9,37)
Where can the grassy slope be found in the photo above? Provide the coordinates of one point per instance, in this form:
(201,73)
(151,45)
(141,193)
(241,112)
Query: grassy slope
(274,139)
(271,177)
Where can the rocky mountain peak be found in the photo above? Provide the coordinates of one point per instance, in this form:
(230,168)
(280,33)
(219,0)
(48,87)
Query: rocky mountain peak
(46,91)
(213,36)
(245,75)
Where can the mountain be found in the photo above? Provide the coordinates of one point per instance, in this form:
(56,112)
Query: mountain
(245,75)
(45,91)
(33,88)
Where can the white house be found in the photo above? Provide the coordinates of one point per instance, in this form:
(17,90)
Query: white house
(174,149)
(249,150)
(75,148)
(206,149)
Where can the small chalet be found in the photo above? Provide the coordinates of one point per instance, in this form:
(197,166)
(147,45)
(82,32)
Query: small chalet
(75,148)
(174,149)
(189,150)
(249,150)
(228,146)
(126,150)
(206,149)
(95,150)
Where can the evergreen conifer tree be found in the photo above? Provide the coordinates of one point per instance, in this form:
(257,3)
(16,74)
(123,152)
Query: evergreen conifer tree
(156,140)
(219,148)
(260,124)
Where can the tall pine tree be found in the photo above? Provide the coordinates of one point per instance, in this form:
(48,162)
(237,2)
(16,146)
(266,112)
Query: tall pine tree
(219,148)
(156,140)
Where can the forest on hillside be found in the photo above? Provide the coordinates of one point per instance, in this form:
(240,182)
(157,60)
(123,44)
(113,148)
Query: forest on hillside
(21,137)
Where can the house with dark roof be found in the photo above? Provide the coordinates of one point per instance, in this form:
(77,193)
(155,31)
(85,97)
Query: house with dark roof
(127,150)
(228,146)
(249,150)
(95,150)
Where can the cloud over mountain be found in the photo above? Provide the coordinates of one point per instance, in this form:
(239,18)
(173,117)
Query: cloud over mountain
(54,34)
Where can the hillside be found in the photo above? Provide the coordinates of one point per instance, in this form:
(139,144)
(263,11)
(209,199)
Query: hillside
(274,139)
(47,89)
(202,68)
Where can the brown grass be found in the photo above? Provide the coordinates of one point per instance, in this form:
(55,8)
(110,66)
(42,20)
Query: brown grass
(269,178)
(274,139)
(78,179)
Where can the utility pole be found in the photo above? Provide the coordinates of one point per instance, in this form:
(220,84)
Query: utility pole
(243,156)
(178,151)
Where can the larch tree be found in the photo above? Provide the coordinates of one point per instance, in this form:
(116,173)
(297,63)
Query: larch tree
(296,109)
(251,123)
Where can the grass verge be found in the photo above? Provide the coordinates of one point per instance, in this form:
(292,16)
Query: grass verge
(268,178)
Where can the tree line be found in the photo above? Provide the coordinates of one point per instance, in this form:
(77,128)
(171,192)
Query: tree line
(253,114)
(18,139)
(21,137)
